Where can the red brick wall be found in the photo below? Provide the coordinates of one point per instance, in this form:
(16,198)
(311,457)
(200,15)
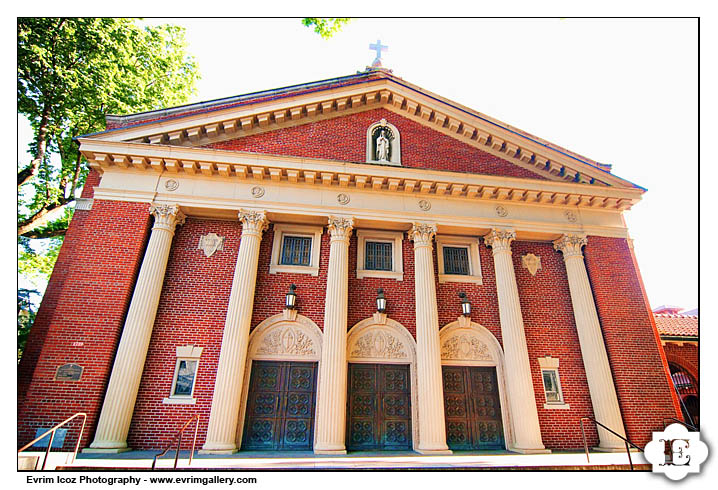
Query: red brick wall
(344,138)
(192,310)
(639,370)
(86,302)
(551,330)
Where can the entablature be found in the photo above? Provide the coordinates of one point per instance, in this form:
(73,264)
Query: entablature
(250,167)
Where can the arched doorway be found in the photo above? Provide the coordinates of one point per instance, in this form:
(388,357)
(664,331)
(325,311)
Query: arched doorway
(686,387)
(279,395)
(381,388)
(475,405)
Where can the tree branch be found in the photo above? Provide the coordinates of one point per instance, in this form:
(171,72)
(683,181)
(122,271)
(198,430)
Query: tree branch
(31,170)
(45,233)
(41,217)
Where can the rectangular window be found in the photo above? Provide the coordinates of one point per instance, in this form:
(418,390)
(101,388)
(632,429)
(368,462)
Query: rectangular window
(551,387)
(296,250)
(377,256)
(456,260)
(184,382)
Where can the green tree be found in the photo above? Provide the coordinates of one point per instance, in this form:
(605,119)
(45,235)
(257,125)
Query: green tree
(25,317)
(325,26)
(71,73)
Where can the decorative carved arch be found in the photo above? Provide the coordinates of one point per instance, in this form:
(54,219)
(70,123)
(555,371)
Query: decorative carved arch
(466,343)
(395,144)
(381,340)
(284,337)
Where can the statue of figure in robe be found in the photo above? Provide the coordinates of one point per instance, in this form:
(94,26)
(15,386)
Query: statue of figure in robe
(382,147)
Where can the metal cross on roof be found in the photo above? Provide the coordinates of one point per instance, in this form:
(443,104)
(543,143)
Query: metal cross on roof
(378,47)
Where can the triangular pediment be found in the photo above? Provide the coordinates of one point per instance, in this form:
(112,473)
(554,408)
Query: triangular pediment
(265,117)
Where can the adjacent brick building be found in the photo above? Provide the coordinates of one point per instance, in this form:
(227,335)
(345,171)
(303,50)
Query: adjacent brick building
(172,295)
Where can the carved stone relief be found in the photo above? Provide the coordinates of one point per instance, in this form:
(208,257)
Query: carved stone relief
(210,243)
(287,340)
(464,346)
(531,262)
(379,344)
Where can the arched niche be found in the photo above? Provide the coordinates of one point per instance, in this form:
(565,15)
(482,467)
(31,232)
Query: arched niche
(381,340)
(284,337)
(466,343)
(394,144)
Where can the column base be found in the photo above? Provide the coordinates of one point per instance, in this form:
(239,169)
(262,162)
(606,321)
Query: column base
(621,449)
(105,450)
(434,452)
(330,451)
(217,451)
(530,451)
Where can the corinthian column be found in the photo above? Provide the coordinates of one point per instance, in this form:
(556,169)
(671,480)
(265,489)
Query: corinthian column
(224,415)
(114,422)
(432,428)
(593,350)
(519,385)
(331,402)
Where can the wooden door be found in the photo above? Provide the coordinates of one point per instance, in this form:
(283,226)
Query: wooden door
(472,408)
(280,406)
(379,407)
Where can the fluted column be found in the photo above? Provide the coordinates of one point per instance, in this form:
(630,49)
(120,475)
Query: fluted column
(519,385)
(224,414)
(114,423)
(432,427)
(593,350)
(331,401)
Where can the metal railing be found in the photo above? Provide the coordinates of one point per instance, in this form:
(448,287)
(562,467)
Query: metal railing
(626,441)
(684,424)
(178,438)
(52,438)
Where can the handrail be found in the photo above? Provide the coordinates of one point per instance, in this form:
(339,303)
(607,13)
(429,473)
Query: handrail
(52,438)
(179,442)
(685,424)
(626,441)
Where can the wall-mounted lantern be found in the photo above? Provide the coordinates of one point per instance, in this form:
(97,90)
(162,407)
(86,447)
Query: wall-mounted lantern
(465,304)
(380,301)
(291,300)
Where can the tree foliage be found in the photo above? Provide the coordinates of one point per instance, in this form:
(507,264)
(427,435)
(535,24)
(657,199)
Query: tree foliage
(71,73)
(325,26)
(25,318)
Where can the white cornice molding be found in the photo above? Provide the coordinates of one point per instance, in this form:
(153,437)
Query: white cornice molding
(405,99)
(329,173)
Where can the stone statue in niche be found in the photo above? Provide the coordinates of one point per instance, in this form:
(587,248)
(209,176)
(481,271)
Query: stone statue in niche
(382,147)
(383,138)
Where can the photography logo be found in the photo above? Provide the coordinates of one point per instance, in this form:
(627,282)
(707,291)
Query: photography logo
(676,452)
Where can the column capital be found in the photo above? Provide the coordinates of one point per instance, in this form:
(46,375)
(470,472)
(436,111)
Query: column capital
(499,240)
(253,222)
(570,245)
(340,228)
(422,233)
(167,216)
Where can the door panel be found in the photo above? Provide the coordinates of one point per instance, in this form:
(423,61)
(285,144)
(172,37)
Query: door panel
(280,407)
(379,407)
(472,408)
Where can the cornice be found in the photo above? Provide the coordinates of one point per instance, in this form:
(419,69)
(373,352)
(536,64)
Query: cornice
(212,163)
(417,104)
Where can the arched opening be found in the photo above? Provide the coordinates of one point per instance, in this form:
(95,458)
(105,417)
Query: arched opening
(687,389)
(381,392)
(383,144)
(475,405)
(280,385)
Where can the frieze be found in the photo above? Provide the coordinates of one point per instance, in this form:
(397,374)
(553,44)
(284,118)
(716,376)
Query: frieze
(287,341)
(379,344)
(463,346)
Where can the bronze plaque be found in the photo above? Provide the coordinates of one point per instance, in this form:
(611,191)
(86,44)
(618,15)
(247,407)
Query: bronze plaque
(69,372)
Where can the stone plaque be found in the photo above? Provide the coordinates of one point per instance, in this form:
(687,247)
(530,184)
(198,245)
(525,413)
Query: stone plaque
(69,372)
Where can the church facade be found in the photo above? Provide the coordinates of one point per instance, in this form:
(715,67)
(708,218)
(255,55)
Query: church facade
(349,264)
